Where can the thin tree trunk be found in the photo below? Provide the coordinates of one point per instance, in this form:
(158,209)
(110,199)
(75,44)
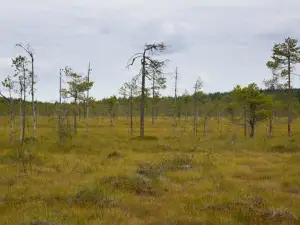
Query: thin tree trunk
(186,114)
(252,129)
(290,98)
(75,115)
(59,110)
(11,119)
(21,111)
(153,95)
(86,119)
(218,118)
(204,126)
(270,131)
(111,119)
(23,119)
(245,122)
(34,115)
(79,112)
(142,109)
(175,100)
(23,105)
(195,123)
(195,116)
(87,100)
(131,111)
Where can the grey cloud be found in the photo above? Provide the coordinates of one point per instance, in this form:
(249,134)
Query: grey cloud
(224,42)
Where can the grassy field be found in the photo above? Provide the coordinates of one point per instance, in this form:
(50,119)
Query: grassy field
(170,177)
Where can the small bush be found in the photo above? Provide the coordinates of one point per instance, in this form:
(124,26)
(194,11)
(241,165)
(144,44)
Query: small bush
(145,138)
(177,162)
(152,171)
(41,222)
(114,154)
(284,149)
(94,196)
(279,216)
(149,170)
(138,185)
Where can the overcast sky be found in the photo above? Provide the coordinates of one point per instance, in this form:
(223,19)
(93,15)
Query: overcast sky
(224,42)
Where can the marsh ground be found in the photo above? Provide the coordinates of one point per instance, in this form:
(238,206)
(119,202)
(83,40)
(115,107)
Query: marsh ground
(106,177)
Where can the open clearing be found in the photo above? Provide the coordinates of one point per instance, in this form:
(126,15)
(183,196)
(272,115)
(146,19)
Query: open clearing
(107,177)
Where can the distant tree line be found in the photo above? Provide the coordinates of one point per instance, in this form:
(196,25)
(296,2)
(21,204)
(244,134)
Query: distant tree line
(141,96)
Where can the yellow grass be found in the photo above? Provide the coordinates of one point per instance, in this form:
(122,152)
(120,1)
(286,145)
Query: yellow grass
(107,177)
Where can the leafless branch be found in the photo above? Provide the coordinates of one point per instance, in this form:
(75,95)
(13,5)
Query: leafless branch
(133,58)
(26,48)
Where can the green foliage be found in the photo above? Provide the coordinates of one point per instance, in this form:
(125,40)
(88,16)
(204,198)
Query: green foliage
(255,104)
(8,82)
(285,55)
(112,102)
(78,85)
(158,83)
(20,64)
(198,85)
(186,97)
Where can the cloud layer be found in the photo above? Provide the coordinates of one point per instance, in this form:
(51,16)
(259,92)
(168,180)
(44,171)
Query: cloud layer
(223,43)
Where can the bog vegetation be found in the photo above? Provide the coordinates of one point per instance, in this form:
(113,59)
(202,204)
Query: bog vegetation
(143,158)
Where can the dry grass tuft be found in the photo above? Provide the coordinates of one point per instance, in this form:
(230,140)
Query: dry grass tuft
(167,178)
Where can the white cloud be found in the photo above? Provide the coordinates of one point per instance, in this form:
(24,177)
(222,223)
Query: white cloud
(224,42)
(5,62)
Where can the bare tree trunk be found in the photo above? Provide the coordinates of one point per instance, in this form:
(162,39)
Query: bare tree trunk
(23,105)
(142,109)
(204,126)
(78,112)
(175,100)
(75,115)
(87,100)
(21,112)
(131,111)
(195,123)
(111,119)
(23,118)
(59,110)
(11,119)
(153,95)
(32,98)
(245,122)
(34,114)
(252,129)
(290,98)
(218,118)
(75,121)
(270,131)
(86,119)
(195,117)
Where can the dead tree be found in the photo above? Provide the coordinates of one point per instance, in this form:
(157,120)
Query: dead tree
(149,66)
(175,98)
(21,72)
(87,100)
(197,87)
(59,111)
(29,51)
